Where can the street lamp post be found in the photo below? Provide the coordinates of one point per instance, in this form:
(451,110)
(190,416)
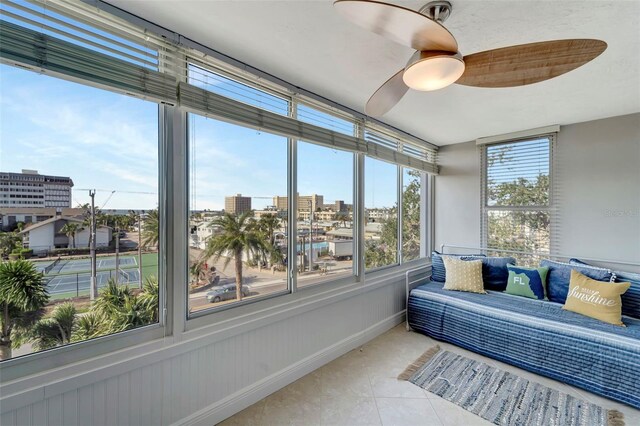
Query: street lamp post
(93,291)
(310,236)
(140,250)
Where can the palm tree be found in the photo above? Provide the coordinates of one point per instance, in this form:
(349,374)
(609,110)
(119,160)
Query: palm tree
(23,294)
(150,298)
(70,230)
(123,309)
(268,224)
(88,326)
(238,234)
(55,330)
(151,229)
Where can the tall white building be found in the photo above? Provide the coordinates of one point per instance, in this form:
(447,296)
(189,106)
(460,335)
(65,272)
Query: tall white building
(31,189)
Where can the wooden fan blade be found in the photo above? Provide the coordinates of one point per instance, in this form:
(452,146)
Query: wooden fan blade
(387,96)
(402,25)
(528,63)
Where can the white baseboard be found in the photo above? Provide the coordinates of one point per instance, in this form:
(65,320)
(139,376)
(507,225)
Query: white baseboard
(249,395)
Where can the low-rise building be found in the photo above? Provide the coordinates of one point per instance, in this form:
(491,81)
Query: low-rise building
(11,216)
(47,235)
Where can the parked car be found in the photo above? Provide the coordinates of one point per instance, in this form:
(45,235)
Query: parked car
(225,292)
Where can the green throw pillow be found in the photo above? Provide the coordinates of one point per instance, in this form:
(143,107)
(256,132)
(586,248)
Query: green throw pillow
(527,282)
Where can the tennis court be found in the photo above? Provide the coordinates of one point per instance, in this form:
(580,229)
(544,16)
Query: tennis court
(81,283)
(72,266)
(72,277)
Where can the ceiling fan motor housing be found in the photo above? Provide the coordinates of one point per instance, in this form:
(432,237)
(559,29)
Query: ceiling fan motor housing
(439,10)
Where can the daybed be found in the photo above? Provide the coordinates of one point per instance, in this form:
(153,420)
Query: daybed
(538,336)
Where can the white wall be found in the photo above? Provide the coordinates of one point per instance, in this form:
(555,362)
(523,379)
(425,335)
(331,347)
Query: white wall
(457,196)
(41,238)
(103,237)
(598,191)
(204,376)
(598,183)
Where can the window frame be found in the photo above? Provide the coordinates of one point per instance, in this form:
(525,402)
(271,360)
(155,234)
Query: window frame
(62,356)
(173,186)
(398,261)
(484,192)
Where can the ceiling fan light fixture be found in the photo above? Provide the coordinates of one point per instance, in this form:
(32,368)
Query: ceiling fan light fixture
(433,70)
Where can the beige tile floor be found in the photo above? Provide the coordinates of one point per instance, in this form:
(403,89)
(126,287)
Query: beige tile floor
(360,388)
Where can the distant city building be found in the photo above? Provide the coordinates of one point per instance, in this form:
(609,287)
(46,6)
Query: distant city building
(378,214)
(30,189)
(237,204)
(270,211)
(314,201)
(280,202)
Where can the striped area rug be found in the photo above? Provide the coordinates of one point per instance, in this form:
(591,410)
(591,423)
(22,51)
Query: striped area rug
(501,397)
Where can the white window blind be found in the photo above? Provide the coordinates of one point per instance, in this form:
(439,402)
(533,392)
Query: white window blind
(516,192)
(518,173)
(77,41)
(67,39)
(209,103)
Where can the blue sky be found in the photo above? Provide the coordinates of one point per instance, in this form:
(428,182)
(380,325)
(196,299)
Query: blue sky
(100,139)
(109,141)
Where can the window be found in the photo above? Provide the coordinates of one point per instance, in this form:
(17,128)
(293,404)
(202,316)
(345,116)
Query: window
(381,213)
(234,89)
(238,214)
(242,244)
(325,214)
(516,193)
(412,212)
(104,142)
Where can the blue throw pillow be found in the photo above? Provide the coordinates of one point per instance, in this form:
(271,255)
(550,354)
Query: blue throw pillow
(495,273)
(437,264)
(527,282)
(560,274)
(631,297)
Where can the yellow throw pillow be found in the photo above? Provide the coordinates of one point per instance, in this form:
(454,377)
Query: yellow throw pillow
(596,299)
(463,275)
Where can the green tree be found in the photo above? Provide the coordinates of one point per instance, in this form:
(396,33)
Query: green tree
(268,224)
(123,308)
(23,294)
(517,229)
(88,326)
(411,217)
(54,330)
(71,229)
(151,229)
(150,298)
(237,235)
(384,251)
(9,241)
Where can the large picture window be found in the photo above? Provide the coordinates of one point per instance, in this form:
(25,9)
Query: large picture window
(89,169)
(70,272)
(325,214)
(237,221)
(381,213)
(412,211)
(516,193)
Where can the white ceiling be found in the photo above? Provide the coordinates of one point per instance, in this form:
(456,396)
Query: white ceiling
(310,45)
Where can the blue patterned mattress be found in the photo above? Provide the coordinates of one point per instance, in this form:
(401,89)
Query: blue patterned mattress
(534,335)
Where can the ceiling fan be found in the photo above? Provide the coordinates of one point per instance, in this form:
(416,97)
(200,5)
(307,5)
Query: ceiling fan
(437,63)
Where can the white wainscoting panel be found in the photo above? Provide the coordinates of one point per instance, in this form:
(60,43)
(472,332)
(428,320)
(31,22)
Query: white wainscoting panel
(211,382)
